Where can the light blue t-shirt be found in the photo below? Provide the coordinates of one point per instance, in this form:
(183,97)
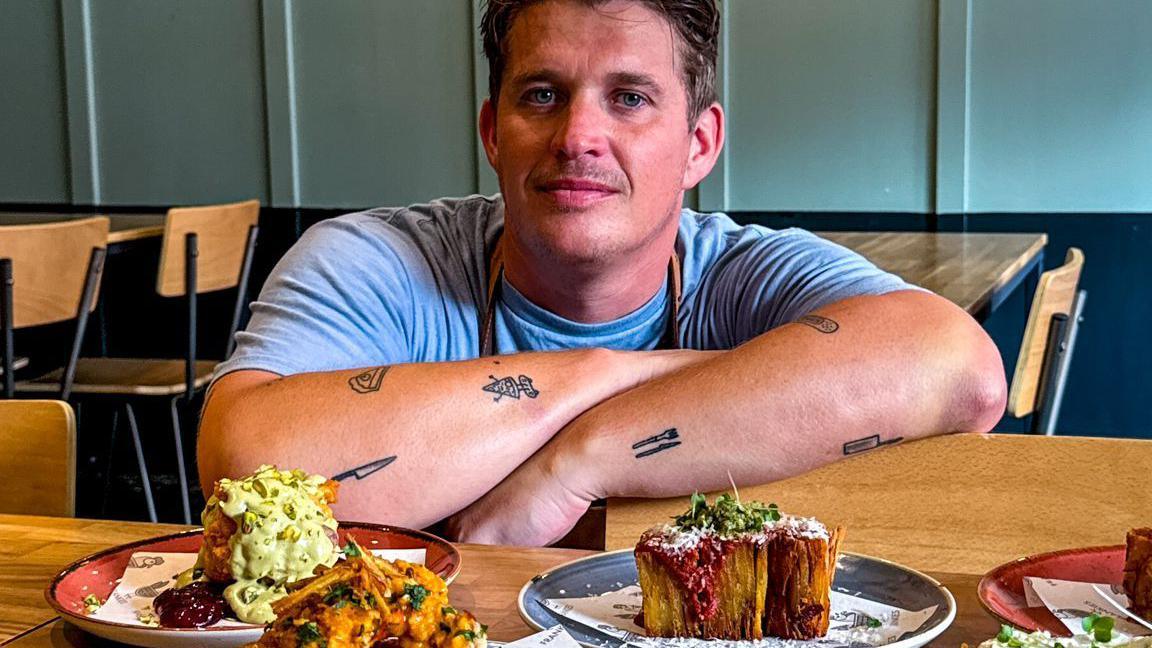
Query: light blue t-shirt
(390,286)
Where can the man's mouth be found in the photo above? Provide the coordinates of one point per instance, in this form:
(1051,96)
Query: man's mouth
(576,192)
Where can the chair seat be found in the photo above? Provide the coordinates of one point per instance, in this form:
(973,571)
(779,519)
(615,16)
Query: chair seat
(17,365)
(126,376)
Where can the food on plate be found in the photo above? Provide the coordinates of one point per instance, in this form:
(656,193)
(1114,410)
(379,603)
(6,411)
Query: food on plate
(262,533)
(1138,571)
(734,570)
(1098,633)
(366,601)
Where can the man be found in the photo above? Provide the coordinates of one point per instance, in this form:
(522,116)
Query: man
(502,362)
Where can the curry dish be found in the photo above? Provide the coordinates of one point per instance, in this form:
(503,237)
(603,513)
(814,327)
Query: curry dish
(365,602)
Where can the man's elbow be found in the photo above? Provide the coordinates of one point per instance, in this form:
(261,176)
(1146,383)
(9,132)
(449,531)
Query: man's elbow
(983,391)
(223,446)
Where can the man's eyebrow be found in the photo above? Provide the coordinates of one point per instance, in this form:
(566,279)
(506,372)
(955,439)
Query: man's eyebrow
(636,80)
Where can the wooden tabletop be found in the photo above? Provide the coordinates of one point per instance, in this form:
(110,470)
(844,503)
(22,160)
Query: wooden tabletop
(122,228)
(965,268)
(34,549)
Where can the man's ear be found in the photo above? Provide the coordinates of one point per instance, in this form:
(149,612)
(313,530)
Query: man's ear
(707,141)
(488,132)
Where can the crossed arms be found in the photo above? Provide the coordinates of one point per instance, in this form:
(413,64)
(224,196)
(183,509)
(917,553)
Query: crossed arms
(514,448)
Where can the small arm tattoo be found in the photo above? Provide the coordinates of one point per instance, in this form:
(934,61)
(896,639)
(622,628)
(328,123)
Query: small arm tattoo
(868,443)
(822,324)
(511,387)
(657,443)
(360,472)
(367,381)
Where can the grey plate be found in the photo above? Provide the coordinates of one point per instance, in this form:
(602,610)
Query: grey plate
(864,576)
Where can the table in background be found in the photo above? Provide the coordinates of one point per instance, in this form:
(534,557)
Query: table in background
(122,228)
(975,271)
(34,549)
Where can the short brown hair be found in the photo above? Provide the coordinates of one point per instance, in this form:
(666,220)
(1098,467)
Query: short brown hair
(697,24)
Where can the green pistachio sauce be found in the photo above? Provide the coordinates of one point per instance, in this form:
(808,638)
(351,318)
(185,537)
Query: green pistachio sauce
(282,535)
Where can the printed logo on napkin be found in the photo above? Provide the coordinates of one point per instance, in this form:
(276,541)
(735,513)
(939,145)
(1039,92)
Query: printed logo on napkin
(149,574)
(612,613)
(1072,601)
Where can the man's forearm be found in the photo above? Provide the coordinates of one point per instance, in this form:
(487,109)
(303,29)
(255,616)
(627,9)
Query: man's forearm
(411,443)
(860,374)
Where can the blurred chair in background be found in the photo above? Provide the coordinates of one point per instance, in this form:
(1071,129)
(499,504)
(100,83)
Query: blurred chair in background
(1046,351)
(205,249)
(49,273)
(38,451)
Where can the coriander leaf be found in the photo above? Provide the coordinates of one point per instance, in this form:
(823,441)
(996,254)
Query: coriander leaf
(352,550)
(467,634)
(309,633)
(1005,633)
(416,594)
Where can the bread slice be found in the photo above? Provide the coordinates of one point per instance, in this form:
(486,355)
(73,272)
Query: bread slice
(1138,571)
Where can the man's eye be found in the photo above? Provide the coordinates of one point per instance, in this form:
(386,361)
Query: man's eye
(630,99)
(541,96)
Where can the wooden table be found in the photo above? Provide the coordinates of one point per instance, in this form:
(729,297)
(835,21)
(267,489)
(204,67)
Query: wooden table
(975,271)
(33,549)
(123,228)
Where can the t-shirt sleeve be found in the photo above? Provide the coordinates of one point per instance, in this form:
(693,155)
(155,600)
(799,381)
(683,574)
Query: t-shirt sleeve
(767,280)
(339,299)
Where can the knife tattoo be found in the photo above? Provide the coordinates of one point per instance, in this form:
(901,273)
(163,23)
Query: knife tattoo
(657,443)
(360,472)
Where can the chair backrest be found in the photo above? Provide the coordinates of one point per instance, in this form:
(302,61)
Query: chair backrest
(38,453)
(49,267)
(1055,293)
(222,233)
(1006,495)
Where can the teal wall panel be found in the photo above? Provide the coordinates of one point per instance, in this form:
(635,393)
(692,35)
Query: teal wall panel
(33,122)
(384,94)
(831,104)
(179,103)
(1061,106)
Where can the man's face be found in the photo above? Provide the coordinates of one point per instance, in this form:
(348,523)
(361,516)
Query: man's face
(590,138)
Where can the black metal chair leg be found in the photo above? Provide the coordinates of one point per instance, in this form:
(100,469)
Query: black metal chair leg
(147,483)
(108,462)
(180,462)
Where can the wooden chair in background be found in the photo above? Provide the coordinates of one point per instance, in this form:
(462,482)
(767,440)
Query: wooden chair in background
(1046,351)
(205,249)
(1013,494)
(38,450)
(49,273)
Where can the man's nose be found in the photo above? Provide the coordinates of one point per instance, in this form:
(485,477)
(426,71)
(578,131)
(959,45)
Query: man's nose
(582,131)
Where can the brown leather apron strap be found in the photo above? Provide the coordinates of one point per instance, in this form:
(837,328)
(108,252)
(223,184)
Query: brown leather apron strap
(670,339)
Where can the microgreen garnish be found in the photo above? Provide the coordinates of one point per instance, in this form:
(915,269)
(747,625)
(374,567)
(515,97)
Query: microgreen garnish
(352,550)
(728,516)
(873,622)
(1099,626)
(310,633)
(416,594)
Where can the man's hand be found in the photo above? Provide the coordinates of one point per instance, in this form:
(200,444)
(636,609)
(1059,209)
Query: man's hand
(532,507)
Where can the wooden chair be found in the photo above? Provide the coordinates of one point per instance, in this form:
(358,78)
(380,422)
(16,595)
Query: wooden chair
(1046,351)
(38,448)
(1011,494)
(204,249)
(49,273)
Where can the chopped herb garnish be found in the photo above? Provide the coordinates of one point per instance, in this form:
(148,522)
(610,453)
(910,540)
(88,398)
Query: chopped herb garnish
(310,633)
(447,609)
(728,516)
(1099,626)
(483,630)
(338,593)
(370,600)
(1005,633)
(416,594)
(873,622)
(352,550)
(467,634)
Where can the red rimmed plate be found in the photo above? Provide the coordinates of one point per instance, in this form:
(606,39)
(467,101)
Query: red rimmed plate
(97,574)
(1001,591)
